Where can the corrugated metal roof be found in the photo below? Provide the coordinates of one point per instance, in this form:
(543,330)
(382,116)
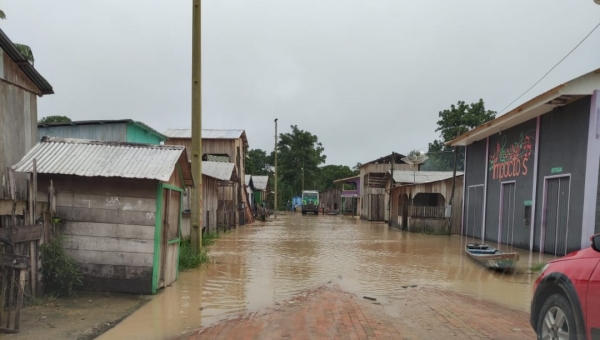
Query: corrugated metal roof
(103,121)
(81,157)
(407,176)
(260,182)
(209,134)
(219,170)
(11,50)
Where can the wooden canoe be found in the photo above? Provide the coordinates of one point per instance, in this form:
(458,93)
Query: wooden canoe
(491,257)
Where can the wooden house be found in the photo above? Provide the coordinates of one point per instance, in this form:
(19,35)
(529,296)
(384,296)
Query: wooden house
(227,146)
(122,130)
(419,201)
(213,175)
(350,195)
(373,198)
(119,206)
(331,199)
(260,187)
(20,85)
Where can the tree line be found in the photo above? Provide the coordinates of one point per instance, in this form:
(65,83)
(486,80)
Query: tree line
(301,156)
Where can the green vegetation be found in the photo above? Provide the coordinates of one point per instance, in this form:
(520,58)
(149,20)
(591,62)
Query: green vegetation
(537,267)
(60,274)
(453,122)
(190,259)
(430,231)
(54,119)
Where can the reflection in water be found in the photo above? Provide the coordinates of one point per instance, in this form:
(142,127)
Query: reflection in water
(256,265)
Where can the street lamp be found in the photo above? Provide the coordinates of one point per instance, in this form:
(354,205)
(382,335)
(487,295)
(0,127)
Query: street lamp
(275,211)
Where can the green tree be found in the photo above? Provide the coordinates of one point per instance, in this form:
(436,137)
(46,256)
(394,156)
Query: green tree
(54,119)
(258,162)
(2,15)
(299,156)
(454,122)
(329,173)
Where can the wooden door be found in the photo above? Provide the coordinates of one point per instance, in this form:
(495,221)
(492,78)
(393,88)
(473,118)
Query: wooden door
(171,223)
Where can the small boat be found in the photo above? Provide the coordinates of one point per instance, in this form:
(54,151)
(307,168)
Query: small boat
(491,257)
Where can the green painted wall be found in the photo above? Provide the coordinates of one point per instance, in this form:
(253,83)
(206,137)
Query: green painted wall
(257,197)
(136,134)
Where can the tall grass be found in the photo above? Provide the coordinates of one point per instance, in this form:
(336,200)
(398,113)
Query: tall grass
(189,258)
(537,267)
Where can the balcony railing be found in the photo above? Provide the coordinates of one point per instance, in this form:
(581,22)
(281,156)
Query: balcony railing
(426,212)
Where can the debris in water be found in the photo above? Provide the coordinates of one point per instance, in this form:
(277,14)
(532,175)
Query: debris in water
(369,298)
(413,286)
(376,303)
(329,281)
(340,277)
(404,286)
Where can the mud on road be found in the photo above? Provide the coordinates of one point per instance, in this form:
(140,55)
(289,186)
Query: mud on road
(82,317)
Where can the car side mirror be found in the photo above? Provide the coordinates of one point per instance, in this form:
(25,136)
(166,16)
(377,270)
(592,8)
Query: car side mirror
(595,239)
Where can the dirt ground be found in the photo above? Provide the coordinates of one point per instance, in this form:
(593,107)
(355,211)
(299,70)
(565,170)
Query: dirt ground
(418,313)
(83,317)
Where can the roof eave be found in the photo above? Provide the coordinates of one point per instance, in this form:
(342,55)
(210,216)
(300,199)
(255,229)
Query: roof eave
(11,50)
(576,88)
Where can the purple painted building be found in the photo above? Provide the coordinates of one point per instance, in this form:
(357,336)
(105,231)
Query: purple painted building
(350,195)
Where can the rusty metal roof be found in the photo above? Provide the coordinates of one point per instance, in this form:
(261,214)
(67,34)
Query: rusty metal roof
(81,157)
(219,170)
(209,134)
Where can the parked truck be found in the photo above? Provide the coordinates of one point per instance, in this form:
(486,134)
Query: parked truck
(310,202)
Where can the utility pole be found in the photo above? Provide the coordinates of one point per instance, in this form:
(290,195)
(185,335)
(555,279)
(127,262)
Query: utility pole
(275,210)
(453,186)
(302,176)
(197,220)
(390,194)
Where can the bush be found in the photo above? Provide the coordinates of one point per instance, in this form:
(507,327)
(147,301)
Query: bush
(60,274)
(209,239)
(190,259)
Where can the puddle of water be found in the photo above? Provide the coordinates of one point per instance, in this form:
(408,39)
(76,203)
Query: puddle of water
(256,265)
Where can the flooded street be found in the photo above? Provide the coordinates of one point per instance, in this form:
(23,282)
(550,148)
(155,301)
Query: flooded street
(255,266)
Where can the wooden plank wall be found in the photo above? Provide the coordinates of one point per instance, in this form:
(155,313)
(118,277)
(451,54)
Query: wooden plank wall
(18,120)
(187,142)
(109,226)
(210,192)
(442,187)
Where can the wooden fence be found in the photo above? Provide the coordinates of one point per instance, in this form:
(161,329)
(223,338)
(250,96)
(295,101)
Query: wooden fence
(427,212)
(22,233)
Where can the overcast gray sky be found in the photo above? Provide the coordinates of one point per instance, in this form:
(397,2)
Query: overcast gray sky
(367,77)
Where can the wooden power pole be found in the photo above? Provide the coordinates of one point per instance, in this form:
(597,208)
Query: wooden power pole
(275,203)
(197,220)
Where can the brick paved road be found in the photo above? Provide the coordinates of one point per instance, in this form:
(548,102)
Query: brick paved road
(415,313)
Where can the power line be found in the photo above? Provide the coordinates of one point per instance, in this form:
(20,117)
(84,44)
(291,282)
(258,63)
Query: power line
(553,67)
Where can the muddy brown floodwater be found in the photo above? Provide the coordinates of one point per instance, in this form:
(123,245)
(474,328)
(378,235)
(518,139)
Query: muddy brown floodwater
(257,265)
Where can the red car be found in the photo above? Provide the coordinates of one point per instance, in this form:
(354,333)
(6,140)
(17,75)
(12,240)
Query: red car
(566,299)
